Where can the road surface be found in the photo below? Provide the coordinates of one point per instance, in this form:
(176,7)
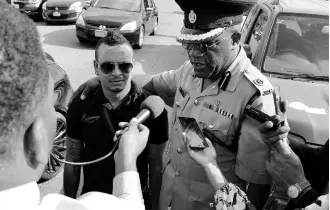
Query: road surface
(159,53)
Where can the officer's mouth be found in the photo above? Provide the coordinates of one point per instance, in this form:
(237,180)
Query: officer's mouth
(198,66)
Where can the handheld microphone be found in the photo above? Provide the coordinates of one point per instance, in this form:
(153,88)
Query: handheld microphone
(151,108)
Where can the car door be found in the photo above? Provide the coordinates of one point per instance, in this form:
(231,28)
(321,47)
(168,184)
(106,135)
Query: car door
(256,32)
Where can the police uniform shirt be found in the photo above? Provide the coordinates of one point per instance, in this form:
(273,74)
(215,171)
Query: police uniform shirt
(185,184)
(86,122)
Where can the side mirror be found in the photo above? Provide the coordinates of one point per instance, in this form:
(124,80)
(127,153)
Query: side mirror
(149,9)
(247,50)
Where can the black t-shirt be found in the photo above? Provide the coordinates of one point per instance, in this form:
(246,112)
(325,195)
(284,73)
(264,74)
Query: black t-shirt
(86,122)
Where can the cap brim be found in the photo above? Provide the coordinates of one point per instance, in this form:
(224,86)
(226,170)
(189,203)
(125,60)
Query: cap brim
(188,35)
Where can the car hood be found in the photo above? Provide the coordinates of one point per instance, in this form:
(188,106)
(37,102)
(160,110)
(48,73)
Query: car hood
(308,112)
(61,3)
(111,17)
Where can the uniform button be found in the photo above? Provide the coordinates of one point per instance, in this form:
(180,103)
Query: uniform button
(179,150)
(213,87)
(211,126)
(211,205)
(196,102)
(177,103)
(177,173)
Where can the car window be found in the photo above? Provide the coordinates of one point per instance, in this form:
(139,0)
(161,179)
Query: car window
(258,31)
(126,5)
(299,44)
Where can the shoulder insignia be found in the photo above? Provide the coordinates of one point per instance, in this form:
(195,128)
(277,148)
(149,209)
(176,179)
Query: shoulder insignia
(258,80)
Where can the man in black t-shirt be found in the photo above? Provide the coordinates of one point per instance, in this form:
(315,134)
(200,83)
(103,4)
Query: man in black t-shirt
(90,135)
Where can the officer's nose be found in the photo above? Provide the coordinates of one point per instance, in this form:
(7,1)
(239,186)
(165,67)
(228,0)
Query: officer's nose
(194,52)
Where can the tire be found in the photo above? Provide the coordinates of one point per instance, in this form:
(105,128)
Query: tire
(154,31)
(139,45)
(53,167)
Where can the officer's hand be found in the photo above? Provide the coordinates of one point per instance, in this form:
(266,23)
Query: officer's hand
(87,88)
(203,156)
(132,142)
(285,168)
(271,137)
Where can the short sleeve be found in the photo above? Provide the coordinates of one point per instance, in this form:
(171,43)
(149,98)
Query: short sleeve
(73,118)
(231,197)
(252,151)
(166,83)
(158,129)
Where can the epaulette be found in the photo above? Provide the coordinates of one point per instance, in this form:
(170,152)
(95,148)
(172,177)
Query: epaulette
(259,81)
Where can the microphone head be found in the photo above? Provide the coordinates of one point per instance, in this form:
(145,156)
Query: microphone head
(154,104)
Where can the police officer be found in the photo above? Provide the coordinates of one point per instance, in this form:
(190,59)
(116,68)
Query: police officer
(214,86)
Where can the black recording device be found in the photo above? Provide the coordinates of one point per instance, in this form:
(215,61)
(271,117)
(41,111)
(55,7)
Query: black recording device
(193,132)
(263,117)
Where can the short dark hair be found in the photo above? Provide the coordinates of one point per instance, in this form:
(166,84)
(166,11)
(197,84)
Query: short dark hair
(24,77)
(113,37)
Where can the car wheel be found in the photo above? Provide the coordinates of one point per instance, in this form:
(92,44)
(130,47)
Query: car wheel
(154,32)
(141,39)
(54,166)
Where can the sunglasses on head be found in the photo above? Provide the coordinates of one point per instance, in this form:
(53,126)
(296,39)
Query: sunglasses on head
(108,67)
(202,47)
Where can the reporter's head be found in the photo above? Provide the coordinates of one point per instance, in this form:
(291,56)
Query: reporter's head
(27,115)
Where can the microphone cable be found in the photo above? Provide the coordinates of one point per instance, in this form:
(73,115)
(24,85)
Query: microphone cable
(87,162)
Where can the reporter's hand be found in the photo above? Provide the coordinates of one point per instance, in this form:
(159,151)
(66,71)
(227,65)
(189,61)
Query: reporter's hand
(204,156)
(132,142)
(271,137)
(285,168)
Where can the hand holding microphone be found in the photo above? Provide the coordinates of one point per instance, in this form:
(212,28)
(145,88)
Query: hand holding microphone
(134,136)
(132,142)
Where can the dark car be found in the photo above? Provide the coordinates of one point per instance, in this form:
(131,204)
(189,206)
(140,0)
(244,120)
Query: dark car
(63,92)
(62,10)
(33,8)
(134,19)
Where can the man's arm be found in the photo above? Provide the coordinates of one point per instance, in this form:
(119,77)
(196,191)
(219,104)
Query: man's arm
(156,152)
(252,154)
(72,172)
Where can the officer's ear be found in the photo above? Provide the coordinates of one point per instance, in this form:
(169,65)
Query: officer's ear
(236,37)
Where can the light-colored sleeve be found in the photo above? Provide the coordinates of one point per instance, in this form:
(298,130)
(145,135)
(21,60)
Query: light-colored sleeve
(126,194)
(166,83)
(322,203)
(252,151)
(231,197)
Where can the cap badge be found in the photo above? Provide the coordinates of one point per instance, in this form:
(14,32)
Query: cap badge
(192,16)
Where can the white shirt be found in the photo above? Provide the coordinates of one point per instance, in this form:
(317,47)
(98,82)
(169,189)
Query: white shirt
(126,195)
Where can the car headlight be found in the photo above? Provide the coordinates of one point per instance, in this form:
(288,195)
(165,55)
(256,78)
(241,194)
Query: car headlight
(76,7)
(129,27)
(80,20)
(44,6)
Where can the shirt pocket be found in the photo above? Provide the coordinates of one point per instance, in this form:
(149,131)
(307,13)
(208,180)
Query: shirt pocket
(215,121)
(180,105)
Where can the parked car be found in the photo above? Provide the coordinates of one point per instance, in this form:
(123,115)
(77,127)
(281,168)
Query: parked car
(62,10)
(134,19)
(289,42)
(63,92)
(33,8)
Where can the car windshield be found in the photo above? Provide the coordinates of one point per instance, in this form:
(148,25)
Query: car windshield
(126,5)
(299,45)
